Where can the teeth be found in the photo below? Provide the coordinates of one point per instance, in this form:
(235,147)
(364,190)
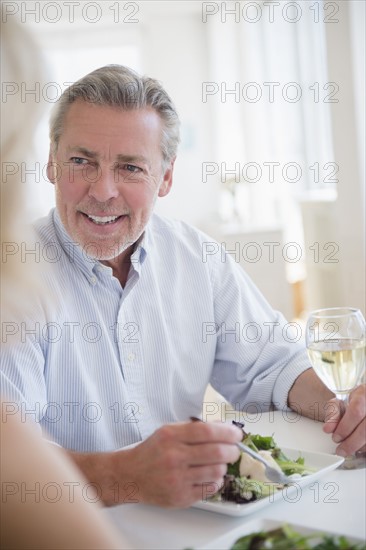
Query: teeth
(102,219)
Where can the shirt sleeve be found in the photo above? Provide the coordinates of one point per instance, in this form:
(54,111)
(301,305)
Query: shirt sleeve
(259,354)
(23,385)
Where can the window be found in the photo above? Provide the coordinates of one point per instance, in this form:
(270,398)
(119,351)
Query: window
(271,112)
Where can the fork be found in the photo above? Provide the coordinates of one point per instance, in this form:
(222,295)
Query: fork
(271,473)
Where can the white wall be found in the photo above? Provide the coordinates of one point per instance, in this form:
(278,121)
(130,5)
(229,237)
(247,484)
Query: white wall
(175,52)
(346,65)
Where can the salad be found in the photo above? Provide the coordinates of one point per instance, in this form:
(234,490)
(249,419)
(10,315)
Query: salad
(285,538)
(246,481)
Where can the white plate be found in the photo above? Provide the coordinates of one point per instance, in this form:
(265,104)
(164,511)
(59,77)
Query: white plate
(225,542)
(321,463)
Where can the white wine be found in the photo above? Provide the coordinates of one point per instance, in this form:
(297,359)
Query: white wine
(338,363)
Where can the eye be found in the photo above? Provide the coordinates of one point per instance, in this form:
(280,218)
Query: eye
(78,160)
(132,168)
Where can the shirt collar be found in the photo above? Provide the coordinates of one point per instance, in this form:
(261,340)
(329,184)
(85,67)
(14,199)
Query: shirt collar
(138,256)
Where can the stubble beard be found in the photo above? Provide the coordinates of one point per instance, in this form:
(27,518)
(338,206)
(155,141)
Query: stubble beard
(107,248)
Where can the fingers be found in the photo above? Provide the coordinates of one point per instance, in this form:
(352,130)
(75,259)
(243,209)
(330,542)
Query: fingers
(348,424)
(207,474)
(202,432)
(213,453)
(334,410)
(197,483)
(198,444)
(351,444)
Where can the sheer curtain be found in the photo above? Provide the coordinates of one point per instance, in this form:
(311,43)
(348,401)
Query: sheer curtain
(270,97)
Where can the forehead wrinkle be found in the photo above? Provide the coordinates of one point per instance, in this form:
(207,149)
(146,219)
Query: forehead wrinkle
(83,151)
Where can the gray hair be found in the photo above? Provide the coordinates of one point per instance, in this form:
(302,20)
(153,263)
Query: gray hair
(119,86)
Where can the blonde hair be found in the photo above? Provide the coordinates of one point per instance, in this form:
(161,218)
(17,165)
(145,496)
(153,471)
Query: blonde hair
(20,65)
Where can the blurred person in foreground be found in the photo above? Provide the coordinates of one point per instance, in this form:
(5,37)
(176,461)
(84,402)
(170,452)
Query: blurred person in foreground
(45,501)
(146,314)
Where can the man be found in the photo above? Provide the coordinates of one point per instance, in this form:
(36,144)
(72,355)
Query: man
(142,319)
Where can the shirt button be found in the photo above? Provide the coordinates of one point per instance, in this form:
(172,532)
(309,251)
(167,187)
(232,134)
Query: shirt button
(131,356)
(93,280)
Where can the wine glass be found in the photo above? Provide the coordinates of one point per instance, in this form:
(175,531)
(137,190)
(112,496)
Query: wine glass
(335,340)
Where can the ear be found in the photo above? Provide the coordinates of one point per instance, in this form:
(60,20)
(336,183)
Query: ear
(167,182)
(51,169)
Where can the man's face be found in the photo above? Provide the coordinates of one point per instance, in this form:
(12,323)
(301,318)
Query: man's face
(108,173)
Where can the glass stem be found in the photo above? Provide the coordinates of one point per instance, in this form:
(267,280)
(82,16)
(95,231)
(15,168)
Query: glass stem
(344,398)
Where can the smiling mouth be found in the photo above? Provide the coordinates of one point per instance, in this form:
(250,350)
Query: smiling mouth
(103,220)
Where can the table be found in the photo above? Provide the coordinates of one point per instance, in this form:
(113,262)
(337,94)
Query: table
(336,502)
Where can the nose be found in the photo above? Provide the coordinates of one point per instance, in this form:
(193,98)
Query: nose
(103,187)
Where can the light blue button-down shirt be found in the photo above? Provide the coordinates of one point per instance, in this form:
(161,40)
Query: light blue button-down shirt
(101,367)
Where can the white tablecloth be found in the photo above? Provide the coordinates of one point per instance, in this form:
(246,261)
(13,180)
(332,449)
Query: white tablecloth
(334,503)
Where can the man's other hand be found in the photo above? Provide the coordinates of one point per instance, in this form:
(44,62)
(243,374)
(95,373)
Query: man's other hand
(348,423)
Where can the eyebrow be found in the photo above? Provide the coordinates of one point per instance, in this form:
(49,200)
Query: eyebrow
(132,158)
(83,151)
(120,158)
